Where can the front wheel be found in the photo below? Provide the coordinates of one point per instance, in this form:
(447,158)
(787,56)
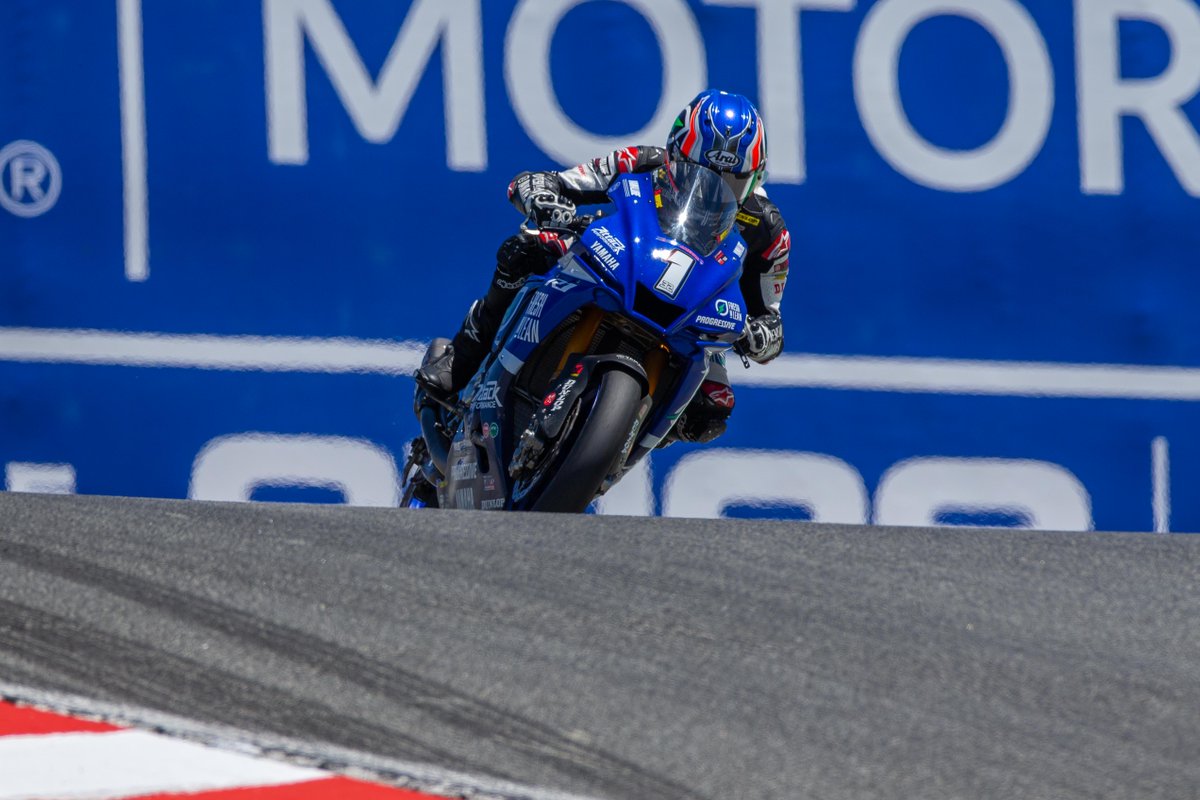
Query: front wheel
(593,446)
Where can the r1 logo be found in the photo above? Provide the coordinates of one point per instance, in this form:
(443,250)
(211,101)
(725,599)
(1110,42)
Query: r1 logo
(30,179)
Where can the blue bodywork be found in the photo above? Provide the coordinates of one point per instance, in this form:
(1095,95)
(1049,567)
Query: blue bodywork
(623,264)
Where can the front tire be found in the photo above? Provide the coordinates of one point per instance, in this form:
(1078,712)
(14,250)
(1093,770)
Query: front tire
(585,462)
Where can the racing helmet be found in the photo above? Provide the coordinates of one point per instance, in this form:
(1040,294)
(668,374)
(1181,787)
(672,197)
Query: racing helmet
(722,131)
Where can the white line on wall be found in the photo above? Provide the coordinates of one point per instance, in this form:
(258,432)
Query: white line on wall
(261,353)
(379,356)
(1160,458)
(951,376)
(133,139)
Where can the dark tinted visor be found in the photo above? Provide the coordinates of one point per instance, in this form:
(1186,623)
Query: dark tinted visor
(742,183)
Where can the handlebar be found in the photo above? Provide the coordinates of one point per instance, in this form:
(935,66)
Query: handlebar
(575,227)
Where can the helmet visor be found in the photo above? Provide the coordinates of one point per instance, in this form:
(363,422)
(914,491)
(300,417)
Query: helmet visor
(741,183)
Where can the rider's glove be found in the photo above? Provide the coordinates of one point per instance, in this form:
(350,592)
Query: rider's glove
(763,339)
(538,195)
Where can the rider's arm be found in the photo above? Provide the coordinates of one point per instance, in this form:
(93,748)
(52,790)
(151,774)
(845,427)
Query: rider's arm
(586,184)
(764,276)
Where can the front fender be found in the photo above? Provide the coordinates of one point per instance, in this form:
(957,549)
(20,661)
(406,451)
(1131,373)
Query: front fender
(568,388)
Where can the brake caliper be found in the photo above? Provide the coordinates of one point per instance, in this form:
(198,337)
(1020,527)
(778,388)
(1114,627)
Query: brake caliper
(547,422)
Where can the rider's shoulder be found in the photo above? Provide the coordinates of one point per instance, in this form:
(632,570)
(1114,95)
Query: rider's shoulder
(641,158)
(760,215)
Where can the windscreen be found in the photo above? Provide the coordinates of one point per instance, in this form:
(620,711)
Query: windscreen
(695,207)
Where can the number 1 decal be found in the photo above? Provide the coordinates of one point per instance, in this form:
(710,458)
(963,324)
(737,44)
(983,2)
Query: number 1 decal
(679,266)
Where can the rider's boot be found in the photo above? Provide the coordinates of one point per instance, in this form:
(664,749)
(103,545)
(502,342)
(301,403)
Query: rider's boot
(707,415)
(447,374)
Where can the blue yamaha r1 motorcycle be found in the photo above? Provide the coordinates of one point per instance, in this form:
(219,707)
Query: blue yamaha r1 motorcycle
(596,359)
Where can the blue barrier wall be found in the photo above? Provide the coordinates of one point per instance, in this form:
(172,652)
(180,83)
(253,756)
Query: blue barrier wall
(226,227)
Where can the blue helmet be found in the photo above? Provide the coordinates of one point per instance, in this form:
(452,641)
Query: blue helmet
(723,132)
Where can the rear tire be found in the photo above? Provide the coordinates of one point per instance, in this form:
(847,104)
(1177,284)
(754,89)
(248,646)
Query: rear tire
(598,440)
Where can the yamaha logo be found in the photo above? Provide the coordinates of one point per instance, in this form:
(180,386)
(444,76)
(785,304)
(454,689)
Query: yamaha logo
(723,158)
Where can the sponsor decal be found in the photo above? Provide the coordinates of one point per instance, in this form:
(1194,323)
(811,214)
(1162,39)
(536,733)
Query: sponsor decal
(606,258)
(549,400)
(748,219)
(464,472)
(577,371)
(633,189)
(563,393)
(627,159)
(779,248)
(464,497)
(723,158)
(492,505)
(658,198)
(728,309)
(717,323)
(631,438)
(719,393)
(527,327)
(536,304)
(560,285)
(527,330)
(739,250)
(720,257)
(489,483)
(488,396)
(612,242)
(494,430)
(774,283)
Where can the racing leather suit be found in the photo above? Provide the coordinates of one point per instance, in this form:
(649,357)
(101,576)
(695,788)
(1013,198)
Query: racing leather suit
(764,276)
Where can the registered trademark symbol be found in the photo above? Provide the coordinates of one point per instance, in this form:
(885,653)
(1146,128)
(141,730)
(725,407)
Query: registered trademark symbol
(30,179)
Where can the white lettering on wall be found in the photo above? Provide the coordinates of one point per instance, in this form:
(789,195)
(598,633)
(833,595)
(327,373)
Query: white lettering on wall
(21,476)
(1045,496)
(531,90)
(633,496)
(781,79)
(877,93)
(232,467)
(376,108)
(30,179)
(704,484)
(1104,97)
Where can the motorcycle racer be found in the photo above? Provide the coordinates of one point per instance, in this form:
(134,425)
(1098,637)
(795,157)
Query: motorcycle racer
(718,130)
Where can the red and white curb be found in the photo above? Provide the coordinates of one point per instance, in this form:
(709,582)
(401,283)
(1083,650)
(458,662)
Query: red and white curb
(50,756)
(59,746)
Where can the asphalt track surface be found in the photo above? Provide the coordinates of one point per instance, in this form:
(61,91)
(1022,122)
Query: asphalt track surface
(629,658)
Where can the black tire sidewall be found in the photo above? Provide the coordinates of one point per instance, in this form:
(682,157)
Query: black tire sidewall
(587,460)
